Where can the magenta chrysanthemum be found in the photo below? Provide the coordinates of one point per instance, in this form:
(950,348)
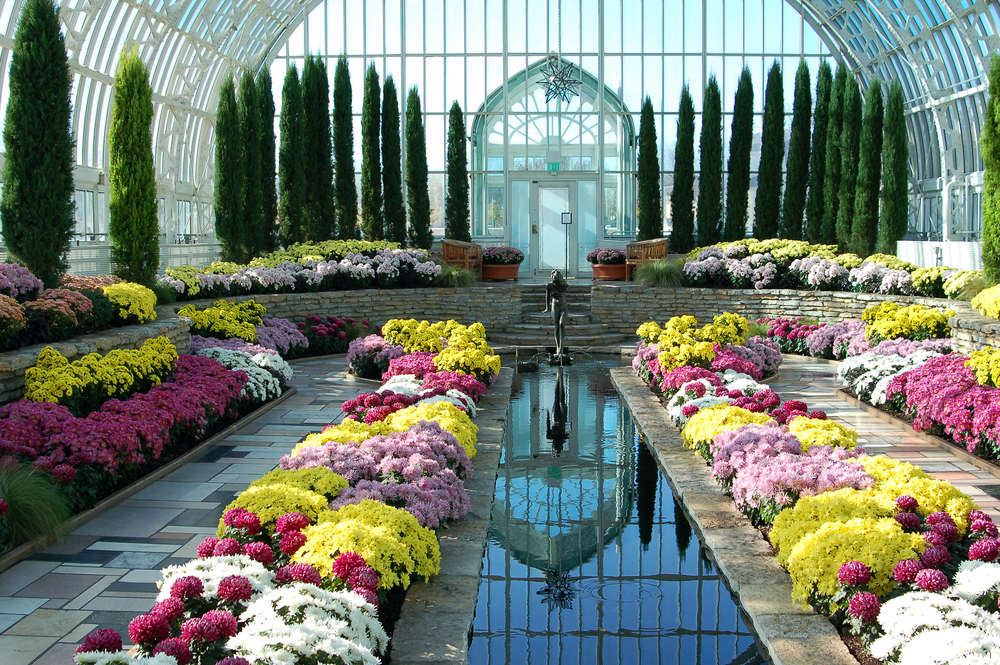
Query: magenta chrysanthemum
(235,589)
(224,621)
(949,531)
(148,629)
(234,660)
(935,556)
(345,563)
(227,547)
(906,502)
(984,549)
(169,608)
(978,515)
(984,527)
(690,409)
(298,572)
(930,579)
(187,587)
(292,541)
(230,517)
(248,521)
(3,507)
(368,595)
(206,548)
(909,521)
(291,522)
(864,606)
(854,573)
(906,570)
(939,517)
(363,577)
(199,630)
(259,552)
(102,639)
(935,538)
(175,647)
(63,473)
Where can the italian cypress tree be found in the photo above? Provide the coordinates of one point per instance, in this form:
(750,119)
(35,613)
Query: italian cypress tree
(372,224)
(253,162)
(682,195)
(797,179)
(229,174)
(649,198)
(894,219)
(37,204)
(740,144)
(850,138)
(710,177)
(456,205)
(346,190)
(989,143)
(269,206)
(767,205)
(834,131)
(291,162)
(133,227)
(864,231)
(817,156)
(320,211)
(392,178)
(417,195)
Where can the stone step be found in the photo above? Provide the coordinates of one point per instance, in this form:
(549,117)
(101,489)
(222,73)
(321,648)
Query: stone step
(575,326)
(570,341)
(538,317)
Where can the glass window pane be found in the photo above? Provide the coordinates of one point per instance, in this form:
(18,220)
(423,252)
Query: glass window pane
(454,26)
(612,26)
(393,26)
(432,30)
(414,27)
(373,28)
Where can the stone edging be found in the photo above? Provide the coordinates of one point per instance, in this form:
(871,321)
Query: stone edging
(78,520)
(944,444)
(790,634)
(436,618)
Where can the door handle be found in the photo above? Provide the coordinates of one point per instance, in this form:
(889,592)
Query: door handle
(534,228)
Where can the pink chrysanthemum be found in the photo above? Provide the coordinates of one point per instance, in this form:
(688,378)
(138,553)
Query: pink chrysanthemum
(292,541)
(909,521)
(187,587)
(906,570)
(854,573)
(949,531)
(984,549)
(291,522)
(939,517)
(102,639)
(363,577)
(817,414)
(259,552)
(978,515)
(934,538)
(206,548)
(235,589)
(248,521)
(345,563)
(175,647)
(906,502)
(227,547)
(224,621)
(935,556)
(368,595)
(864,606)
(234,660)
(690,409)
(63,473)
(230,516)
(3,508)
(148,629)
(986,528)
(199,630)
(931,579)
(298,572)
(169,608)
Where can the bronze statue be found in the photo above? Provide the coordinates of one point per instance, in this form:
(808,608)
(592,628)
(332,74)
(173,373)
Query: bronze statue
(555,297)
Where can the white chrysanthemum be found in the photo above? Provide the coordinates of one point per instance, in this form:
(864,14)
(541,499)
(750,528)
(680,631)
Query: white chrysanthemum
(121,658)
(212,570)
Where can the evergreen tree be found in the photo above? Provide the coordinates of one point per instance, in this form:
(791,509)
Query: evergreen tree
(817,156)
(682,195)
(989,143)
(133,227)
(710,176)
(740,144)
(456,205)
(291,161)
(894,219)
(767,205)
(864,231)
(392,178)
(850,138)
(797,169)
(269,205)
(372,221)
(317,149)
(834,131)
(252,226)
(417,195)
(38,190)
(650,202)
(229,174)
(346,190)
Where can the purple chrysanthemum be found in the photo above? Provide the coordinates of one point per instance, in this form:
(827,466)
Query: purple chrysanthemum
(906,502)
(175,647)
(935,556)
(909,521)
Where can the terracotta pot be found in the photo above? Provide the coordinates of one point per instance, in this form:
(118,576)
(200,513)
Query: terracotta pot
(493,272)
(614,272)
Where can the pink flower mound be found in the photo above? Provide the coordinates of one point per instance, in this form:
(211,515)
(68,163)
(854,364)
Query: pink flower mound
(906,570)
(148,629)
(761,402)
(675,379)
(373,407)
(227,547)
(984,549)
(984,527)
(235,589)
(199,343)
(291,521)
(930,579)
(223,620)
(259,552)
(291,541)
(906,502)
(199,630)
(864,606)
(854,573)
(169,608)
(63,473)
(102,639)
(175,647)
(206,548)
(363,577)
(282,335)
(187,587)
(344,564)
(418,364)
(298,572)
(935,556)
(909,521)
(466,383)
(727,359)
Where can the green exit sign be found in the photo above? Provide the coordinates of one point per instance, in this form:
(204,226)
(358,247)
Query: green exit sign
(552,166)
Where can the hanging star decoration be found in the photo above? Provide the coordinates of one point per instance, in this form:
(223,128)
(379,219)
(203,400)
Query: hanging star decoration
(559,82)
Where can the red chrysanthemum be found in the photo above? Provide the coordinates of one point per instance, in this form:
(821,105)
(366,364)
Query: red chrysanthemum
(363,577)
(199,629)
(102,639)
(169,608)
(985,549)
(227,547)
(906,502)
(935,556)
(292,541)
(175,647)
(345,563)
(298,572)
(906,570)
(206,548)
(864,606)
(224,621)
(148,629)
(187,587)
(259,552)
(854,573)
(235,589)
(931,579)
(291,522)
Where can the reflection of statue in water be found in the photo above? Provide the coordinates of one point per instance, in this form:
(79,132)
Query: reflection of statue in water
(558,592)
(555,297)
(557,425)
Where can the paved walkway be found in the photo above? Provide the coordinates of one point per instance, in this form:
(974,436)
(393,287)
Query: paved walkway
(105,572)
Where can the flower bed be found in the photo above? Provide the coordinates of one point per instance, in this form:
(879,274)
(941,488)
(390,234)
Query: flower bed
(307,559)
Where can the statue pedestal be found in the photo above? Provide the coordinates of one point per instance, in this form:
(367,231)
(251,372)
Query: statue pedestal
(563,360)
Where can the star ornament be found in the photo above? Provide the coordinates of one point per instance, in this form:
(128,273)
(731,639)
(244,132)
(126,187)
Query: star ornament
(559,82)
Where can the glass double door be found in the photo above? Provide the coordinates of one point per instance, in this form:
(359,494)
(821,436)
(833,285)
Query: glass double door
(555,223)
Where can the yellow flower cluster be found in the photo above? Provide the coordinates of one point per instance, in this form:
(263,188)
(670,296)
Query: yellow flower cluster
(988,302)
(482,364)
(306,491)
(133,301)
(390,540)
(892,262)
(415,335)
(929,281)
(784,251)
(986,366)
(225,319)
(847,260)
(682,343)
(814,432)
(55,379)
(701,428)
(965,284)
(890,320)
(317,479)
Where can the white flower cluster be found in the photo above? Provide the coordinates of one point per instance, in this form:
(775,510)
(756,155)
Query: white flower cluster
(212,570)
(121,658)
(731,380)
(302,623)
(276,365)
(408,384)
(870,374)
(263,385)
(924,628)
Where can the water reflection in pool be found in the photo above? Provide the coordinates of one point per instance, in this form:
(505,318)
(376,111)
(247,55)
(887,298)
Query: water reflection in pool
(589,559)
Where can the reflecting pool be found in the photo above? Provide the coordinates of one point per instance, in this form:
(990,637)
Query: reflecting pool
(590,559)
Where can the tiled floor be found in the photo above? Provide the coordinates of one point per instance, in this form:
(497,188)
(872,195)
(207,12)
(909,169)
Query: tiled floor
(105,572)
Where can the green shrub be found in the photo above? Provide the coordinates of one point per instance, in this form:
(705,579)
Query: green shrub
(35,508)
(663,273)
(455,276)
(164,294)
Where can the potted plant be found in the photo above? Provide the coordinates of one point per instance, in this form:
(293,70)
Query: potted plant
(501,263)
(608,263)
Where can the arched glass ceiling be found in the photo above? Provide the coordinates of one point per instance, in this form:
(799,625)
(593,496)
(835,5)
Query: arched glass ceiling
(936,47)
